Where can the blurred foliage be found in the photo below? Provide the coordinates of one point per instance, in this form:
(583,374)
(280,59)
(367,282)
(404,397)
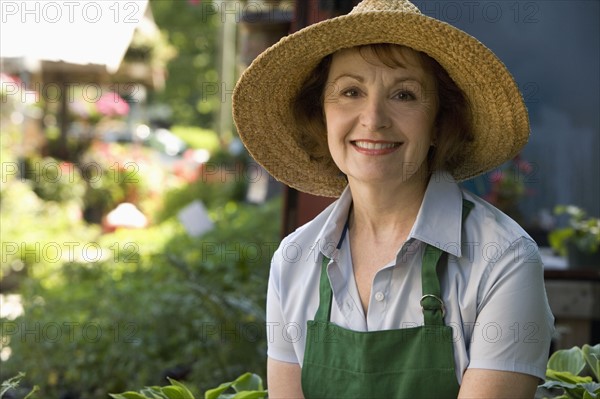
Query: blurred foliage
(509,186)
(162,304)
(227,190)
(37,234)
(106,313)
(582,231)
(193,30)
(196,137)
(151,47)
(127,309)
(116,173)
(220,180)
(55,180)
(11,385)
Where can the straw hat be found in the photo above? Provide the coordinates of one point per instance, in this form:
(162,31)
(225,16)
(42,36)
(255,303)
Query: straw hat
(263,97)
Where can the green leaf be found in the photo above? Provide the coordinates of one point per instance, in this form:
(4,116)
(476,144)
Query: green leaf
(216,392)
(567,377)
(174,392)
(558,238)
(30,394)
(250,395)
(587,395)
(558,384)
(11,383)
(248,385)
(567,360)
(128,395)
(153,392)
(248,382)
(591,387)
(591,355)
(187,394)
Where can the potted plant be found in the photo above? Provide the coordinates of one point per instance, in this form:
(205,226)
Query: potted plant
(508,186)
(572,374)
(579,241)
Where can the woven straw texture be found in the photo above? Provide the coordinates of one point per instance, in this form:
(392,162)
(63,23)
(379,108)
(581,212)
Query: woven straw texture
(263,96)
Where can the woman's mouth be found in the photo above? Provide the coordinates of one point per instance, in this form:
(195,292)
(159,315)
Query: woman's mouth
(372,147)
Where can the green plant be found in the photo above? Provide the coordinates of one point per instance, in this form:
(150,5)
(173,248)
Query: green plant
(574,373)
(197,45)
(13,384)
(197,137)
(55,180)
(159,303)
(583,232)
(508,186)
(246,386)
(37,235)
(114,174)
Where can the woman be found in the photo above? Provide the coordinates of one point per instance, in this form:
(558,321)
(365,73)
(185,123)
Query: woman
(406,286)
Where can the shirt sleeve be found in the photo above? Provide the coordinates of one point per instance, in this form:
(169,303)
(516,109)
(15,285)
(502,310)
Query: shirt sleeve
(278,347)
(514,323)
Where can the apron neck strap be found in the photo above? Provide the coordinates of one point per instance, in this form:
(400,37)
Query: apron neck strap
(325,294)
(431,301)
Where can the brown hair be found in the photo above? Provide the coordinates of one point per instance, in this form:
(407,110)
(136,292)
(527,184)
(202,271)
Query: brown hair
(453,120)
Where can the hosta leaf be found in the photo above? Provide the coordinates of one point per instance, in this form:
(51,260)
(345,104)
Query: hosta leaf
(248,382)
(587,395)
(591,387)
(128,395)
(187,394)
(558,384)
(174,392)
(250,395)
(567,377)
(153,392)
(216,392)
(567,360)
(591,355)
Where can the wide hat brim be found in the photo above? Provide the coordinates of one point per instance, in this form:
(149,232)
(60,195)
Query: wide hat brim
(264,95)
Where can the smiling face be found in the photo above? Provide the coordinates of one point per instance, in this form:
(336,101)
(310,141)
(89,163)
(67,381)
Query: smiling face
(380,119)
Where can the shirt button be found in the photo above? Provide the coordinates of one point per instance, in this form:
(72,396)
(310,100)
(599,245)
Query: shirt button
(379,296)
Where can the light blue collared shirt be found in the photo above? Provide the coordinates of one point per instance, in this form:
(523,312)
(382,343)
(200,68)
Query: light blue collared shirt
(492,288)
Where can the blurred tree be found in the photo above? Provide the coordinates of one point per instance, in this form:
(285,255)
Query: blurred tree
(192,88)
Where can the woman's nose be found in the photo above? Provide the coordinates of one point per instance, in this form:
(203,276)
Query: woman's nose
(374,115)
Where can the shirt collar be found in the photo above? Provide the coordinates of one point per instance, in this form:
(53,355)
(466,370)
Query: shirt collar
(329,236)
(438,222)
(439,219)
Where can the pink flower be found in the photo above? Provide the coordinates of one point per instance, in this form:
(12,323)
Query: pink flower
(524,166)
(112,104)
(66,167)
(497,176)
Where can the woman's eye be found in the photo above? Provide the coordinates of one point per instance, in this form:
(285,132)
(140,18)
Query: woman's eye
(352,92)
(405,96)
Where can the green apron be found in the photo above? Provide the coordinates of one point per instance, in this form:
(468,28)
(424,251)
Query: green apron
(406,363)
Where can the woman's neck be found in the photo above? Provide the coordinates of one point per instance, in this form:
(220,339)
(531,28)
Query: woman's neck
(385,212)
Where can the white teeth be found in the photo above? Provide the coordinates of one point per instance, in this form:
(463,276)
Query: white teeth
(368,145)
